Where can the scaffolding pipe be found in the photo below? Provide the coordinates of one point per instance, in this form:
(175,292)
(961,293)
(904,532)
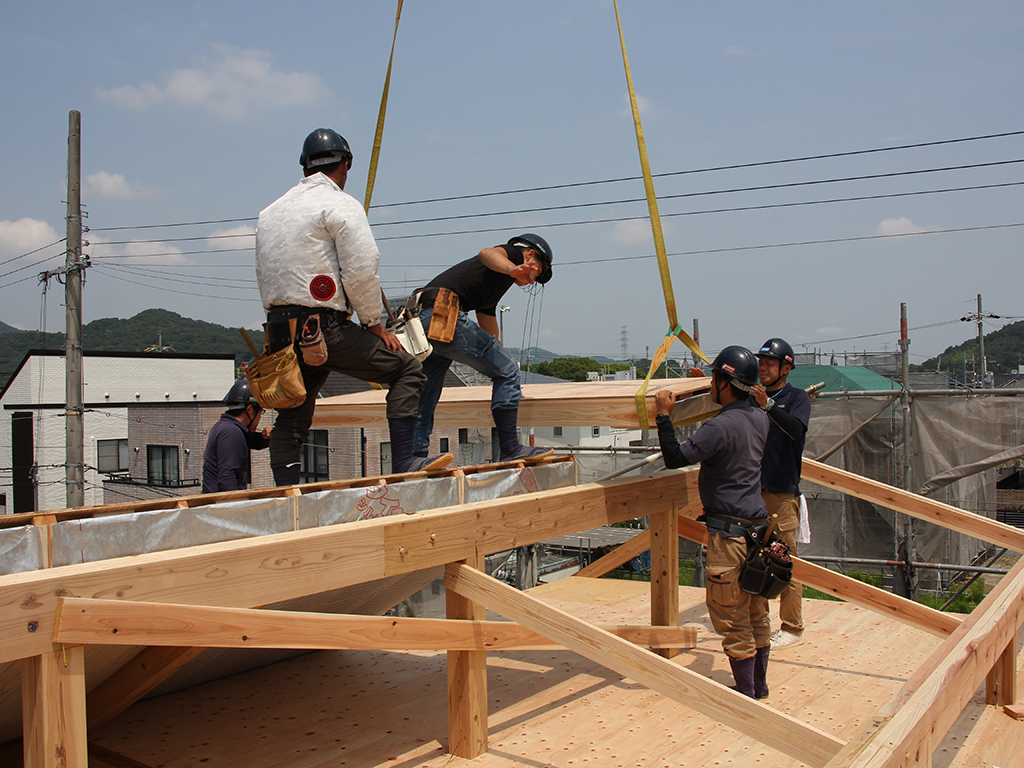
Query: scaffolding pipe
(900,563)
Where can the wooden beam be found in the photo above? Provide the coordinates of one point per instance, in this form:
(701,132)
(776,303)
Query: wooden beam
(133,680)
(1001,681)
(746,715)
(910,728)
(612,403)
(851,590)
(444,536)
(122,622)
(665,572)
(908,503)
(467,678)
(626,551)
(277,567)
(53,709)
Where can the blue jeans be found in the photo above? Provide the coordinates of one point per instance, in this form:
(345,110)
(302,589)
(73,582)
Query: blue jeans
(479,350)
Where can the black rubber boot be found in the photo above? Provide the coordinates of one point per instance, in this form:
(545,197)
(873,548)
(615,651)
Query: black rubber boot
(743,672)
(761,673)
(505,420)
(402,457)
(287,475)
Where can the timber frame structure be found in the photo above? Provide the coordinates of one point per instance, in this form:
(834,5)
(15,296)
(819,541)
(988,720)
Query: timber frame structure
(176,603)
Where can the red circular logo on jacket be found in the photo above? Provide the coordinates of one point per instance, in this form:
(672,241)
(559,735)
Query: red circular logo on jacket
(322,287)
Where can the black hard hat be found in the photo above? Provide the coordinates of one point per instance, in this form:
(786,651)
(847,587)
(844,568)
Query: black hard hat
(324,147)
(739,364)
(779,349)
(239,396)
(539,244)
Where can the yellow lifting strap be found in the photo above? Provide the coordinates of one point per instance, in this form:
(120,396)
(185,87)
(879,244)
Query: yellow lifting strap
(371,175)
(676,330)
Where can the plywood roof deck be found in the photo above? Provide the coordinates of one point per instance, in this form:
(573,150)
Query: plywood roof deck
(547,708)
(929,665)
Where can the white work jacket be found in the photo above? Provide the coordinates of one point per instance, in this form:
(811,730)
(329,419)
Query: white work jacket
(312,241)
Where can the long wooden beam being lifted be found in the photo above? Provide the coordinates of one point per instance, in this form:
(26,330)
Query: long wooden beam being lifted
(610,403)
(121,622)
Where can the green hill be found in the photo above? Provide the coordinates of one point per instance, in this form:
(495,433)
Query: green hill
(153,330)
(1003,348)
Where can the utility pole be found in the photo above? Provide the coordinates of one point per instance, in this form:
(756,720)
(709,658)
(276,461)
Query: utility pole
(74,433)
(979,316)
(908,553)
(696,340)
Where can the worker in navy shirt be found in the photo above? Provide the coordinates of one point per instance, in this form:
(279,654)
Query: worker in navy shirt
(729,447)
(789,409)
(226,464)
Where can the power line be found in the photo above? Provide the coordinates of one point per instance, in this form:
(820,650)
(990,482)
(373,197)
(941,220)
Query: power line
(735,209)
(682,195)
(801,242)
(712,169)
(571,185)
(37,250)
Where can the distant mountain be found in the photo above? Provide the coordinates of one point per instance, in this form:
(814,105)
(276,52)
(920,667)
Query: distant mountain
(153,330)
(1004,351)
(5,328)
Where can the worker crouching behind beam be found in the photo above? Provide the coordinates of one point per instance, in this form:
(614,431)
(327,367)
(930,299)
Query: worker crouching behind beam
(729,447)
(479,284)
(315,255)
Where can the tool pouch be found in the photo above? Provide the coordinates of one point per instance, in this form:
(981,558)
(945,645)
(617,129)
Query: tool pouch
(445,316)
(312,343)
(275,379)
(768,568)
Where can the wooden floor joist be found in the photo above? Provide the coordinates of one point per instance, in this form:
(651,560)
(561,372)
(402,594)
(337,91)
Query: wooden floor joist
(121,622)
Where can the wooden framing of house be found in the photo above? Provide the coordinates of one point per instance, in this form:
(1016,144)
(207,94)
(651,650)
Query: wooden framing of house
(178,602)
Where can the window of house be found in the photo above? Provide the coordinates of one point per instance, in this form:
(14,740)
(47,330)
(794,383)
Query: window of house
(162,464)
(557,432)
(463,436)
(596,432)
(385,458)
(444,445)
(112,455)
(313,466)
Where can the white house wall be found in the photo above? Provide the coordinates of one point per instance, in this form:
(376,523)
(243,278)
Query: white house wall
(109,383)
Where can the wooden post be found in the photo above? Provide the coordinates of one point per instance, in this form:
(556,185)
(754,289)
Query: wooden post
(467,680)
(665,573)
(1001,681)
(53,709)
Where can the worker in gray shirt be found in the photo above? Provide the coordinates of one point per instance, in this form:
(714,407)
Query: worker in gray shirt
(729,447)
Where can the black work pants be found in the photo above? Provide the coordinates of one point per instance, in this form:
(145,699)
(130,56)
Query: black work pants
(354,351)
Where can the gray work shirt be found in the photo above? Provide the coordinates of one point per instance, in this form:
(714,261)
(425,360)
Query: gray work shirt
(729,447)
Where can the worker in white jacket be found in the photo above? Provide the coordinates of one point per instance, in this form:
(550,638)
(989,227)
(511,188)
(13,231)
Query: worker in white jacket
(315,255)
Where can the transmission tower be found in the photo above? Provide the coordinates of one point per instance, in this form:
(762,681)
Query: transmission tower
(624,343)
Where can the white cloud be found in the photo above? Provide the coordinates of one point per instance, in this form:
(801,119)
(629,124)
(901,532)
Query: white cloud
(645,105)
(828,330)
(24,235)
(239,83)
(735,50)
(114,185)
(633,231)
(241,236)
(900,226)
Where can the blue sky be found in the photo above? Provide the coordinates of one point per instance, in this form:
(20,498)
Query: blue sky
(195,112)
